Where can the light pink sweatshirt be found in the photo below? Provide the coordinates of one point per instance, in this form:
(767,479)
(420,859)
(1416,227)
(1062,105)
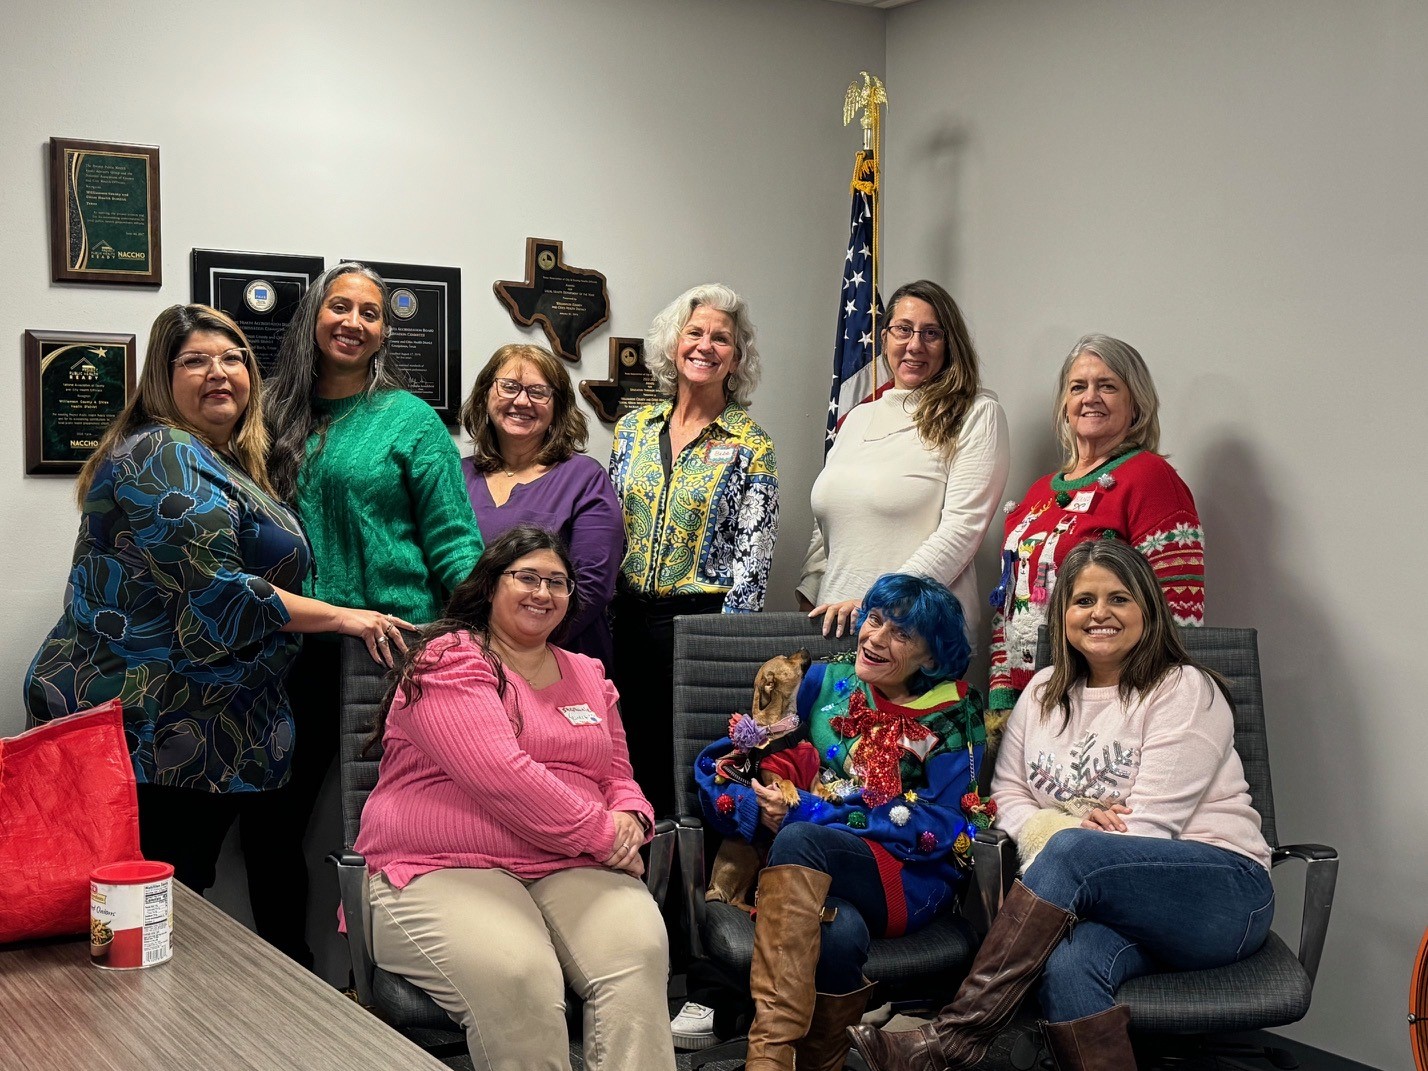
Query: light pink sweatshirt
(1171,759)
(458,788)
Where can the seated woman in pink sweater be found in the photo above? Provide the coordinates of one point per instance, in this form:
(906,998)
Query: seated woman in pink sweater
(1120,759)
(503,835)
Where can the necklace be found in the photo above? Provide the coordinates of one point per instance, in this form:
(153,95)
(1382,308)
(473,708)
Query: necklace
(527,675)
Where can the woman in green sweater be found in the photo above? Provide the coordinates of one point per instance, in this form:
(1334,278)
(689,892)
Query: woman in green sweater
(376,479)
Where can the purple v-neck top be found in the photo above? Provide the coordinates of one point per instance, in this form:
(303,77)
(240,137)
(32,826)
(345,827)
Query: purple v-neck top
(576,500)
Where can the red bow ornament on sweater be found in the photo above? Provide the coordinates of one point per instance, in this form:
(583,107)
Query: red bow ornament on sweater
(878,755)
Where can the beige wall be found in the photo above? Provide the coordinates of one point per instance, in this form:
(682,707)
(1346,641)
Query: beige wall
(1237,189)
(666,143)
(1234,187)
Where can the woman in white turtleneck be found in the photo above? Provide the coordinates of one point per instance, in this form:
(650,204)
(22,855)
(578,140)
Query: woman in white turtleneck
(913,478)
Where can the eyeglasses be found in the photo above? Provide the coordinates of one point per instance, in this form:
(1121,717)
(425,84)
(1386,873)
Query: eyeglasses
(929,335)
(560,587)
(199,363)
(536,392)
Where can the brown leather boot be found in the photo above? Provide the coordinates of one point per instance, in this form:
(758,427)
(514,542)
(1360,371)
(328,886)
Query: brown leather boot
(825,1046)
(786,943)
(1026,930)
(1097,1042)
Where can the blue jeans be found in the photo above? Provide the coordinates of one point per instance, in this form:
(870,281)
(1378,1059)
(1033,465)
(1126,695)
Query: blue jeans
(857,893)
(1143,904)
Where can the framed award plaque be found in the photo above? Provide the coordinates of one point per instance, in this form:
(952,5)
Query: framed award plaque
(76,383)
(104,213)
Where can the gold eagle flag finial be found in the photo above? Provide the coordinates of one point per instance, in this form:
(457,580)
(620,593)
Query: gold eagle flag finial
(866,98)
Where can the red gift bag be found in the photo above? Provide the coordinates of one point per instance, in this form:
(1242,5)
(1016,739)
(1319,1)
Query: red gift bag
(67,805)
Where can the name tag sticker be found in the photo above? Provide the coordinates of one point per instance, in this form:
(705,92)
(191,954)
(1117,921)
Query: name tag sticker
(721,455)
(580,714)
(1081,502)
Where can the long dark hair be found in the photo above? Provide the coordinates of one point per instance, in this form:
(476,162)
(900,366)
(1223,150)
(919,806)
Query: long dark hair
(469,610)
(943,401)
(293,384)
(1159,651)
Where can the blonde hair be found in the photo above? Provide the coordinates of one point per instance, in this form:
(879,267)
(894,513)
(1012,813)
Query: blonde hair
(153,400)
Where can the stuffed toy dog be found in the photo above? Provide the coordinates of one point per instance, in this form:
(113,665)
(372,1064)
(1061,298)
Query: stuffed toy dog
(770,745)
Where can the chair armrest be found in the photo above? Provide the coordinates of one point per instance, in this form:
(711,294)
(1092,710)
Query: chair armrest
(994,870)
(661,860)
(352,885)
(1321,874)
(689,837)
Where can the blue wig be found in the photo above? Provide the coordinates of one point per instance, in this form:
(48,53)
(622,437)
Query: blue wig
(926,609)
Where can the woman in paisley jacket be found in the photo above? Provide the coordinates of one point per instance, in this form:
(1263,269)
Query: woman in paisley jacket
(180,599)
(882,846)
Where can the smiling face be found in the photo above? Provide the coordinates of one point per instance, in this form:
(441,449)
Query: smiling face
(521,420)
(1103,622)
(914,361)
(212,395)
(888,655)
(704,354)
(521,618)
(350,325)
(1099,407)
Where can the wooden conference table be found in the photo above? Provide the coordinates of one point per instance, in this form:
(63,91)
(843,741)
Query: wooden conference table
(226,1001)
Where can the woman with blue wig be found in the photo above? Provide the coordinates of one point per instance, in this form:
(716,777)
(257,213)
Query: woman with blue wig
(883,845)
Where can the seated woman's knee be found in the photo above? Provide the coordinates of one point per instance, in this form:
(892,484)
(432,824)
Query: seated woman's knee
(798,844)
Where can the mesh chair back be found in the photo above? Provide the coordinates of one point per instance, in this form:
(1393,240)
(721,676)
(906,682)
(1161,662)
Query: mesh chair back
(716,657)
(1234,654)
(364,685)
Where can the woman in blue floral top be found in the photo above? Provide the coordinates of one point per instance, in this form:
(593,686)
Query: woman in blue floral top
(886,837)
(181,598)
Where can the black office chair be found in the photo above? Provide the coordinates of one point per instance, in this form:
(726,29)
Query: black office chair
(715,659)
(1274,986)
(396,1000)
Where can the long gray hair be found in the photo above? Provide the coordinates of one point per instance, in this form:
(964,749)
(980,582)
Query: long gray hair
(293,384)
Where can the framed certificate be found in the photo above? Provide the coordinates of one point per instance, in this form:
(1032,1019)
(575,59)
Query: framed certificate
(260,291)
(76,383)
(104,213)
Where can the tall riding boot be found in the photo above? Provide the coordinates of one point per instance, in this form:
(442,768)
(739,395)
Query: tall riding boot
(1097,1042)
(825,1046)
(1011,958)
(786,943)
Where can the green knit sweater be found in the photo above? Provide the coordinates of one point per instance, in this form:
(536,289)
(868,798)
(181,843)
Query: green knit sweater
(384,505)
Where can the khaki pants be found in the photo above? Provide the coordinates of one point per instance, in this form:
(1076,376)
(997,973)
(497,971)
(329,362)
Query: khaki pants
(496,953)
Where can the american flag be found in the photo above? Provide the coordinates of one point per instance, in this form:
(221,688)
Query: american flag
(857,346)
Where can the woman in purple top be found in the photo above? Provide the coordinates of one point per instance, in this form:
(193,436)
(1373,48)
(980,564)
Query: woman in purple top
(526,468)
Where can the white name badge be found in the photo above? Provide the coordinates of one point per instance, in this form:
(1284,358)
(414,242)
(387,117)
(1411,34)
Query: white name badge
(580,714)
(1081,502)
(722,455)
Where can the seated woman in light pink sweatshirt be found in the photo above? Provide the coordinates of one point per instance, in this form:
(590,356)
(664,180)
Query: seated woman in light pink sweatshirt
(1120,758)
(503,835)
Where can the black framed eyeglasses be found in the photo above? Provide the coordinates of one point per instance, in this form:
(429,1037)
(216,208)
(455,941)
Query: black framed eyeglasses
(930,336)
(560,587)
(536,392)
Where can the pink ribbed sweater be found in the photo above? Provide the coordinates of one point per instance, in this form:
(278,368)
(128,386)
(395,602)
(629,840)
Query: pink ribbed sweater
(458,788)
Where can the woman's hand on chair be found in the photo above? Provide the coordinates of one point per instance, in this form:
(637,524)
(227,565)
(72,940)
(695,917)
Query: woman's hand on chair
(1107,819)
(837,616)
(380,632)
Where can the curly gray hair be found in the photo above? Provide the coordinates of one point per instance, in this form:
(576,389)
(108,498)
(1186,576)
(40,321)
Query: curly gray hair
(664,335)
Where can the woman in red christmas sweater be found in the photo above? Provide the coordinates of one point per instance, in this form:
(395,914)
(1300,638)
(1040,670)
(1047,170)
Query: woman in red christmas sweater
(1115,485)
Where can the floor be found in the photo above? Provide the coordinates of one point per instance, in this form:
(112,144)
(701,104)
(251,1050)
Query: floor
(1011,1050)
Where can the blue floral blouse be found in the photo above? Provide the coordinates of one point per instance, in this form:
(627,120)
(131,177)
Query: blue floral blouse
(170,606)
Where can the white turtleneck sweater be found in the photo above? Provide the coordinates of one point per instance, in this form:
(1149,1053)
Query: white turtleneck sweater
(886,502)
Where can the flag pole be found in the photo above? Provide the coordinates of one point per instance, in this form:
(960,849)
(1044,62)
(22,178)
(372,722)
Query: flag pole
(869,98)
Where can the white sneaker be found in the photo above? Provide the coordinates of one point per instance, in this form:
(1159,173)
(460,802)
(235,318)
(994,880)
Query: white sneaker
(693,1027)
